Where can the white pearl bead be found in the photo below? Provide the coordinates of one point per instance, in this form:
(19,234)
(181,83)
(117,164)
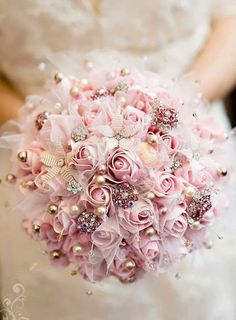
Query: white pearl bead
(151,138)
(84,82)
(74,209)
(74,92)
(100,180)
(190,191)
(150,195)
(101,211)
(195,225)
(78,249)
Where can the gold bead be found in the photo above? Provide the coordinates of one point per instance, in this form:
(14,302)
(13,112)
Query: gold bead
(58,77)
(74,92)
(100,180)
(187,243)
(190,191)
(35,228)
(55,254)
(223,172)
(150,195)
(150,231)
(101,211)
(151,138)
(130,265)
(53,208)
(10,177)
(22,156)
(78,249)
(73,273)
(124,72)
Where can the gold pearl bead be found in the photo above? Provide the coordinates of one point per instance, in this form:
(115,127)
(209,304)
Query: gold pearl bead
(151,138)
(100,180)
(58,77)
(150,195)
(78,249)
(53,208)
(101,211)
(223,172)
(190,191)
(74,92)
(55,254)
(22,156)
(35,228)
(10,177)
(124,72)
(130,265)
(150,231)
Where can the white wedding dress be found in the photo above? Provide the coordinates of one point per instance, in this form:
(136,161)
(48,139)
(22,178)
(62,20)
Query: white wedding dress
(166,35)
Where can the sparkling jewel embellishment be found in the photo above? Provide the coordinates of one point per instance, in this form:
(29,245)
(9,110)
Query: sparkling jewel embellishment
(74,187)
(177,163)
(41,119)
(102,92)
(78,134)
(163,118)
(88,222)
(124,195)
(199,205)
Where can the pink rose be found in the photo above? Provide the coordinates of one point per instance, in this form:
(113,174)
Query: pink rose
(33,163)
(107,238)
(62,223)
(118,265)
(139,100)
(98,195)
(85,157)
(171,142)
(135,118)
(174,223)
(139,217)
(167,185)
(148,251)
(121,164)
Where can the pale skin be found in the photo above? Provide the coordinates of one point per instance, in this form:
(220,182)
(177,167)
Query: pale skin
(214,68)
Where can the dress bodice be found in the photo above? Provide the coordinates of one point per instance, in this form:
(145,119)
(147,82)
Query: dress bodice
(167,34)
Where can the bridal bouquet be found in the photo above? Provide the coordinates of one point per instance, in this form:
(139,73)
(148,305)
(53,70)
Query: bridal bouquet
(123,172)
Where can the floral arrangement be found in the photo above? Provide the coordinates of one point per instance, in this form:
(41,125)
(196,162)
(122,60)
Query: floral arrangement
(122,172)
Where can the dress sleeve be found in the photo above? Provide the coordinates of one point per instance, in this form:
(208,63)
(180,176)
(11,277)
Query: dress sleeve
(223,8)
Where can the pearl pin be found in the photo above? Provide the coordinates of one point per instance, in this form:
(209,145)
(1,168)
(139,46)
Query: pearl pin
(151,138)
(55,254)
(22,156)
(150,231)
(36,228)
(100,211)
(130,265)
(100,180)
(78,249)
(74,92)
(58,77)
(150,195)
(10,177)
(190,191)
(53,208)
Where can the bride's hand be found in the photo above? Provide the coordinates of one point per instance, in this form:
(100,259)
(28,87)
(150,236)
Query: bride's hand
(10,102)
(215,67)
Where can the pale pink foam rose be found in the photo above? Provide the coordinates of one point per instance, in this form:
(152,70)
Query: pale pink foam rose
(138,217)
(98,195)
(136,119)
(122,164)
(148,251)
(167,185)
(171,142)
(175,222)
(139,100)
(107,238)
(62,222)
(85,157)
(79,238)
(117,267)
(33,162)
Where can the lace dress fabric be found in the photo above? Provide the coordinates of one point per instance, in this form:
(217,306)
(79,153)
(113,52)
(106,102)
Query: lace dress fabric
(166,35)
